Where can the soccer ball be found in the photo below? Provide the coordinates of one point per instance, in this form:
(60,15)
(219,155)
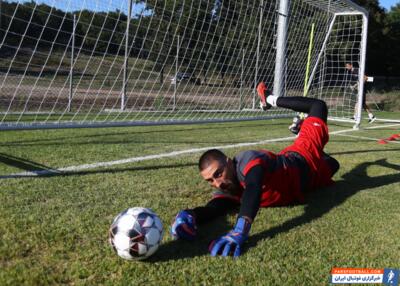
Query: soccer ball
(136,233)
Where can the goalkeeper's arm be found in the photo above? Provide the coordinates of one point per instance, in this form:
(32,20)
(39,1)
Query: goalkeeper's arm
(252,194)
(185,223)
(231,243)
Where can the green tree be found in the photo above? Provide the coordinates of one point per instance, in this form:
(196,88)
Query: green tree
(392,33)
(377,42)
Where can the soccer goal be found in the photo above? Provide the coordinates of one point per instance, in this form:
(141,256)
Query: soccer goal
(70,63)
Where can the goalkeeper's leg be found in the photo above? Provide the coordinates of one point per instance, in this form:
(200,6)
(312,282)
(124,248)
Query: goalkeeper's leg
(311,106)
(314,108)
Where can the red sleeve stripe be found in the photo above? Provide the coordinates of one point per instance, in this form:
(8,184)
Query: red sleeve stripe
(251,164)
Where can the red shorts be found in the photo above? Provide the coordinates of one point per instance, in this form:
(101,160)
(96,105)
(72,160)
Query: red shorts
(310,144)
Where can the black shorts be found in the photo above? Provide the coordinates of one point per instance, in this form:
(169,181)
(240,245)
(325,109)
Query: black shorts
(364,100)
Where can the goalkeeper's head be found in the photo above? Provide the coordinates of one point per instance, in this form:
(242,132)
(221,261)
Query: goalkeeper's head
(219,171)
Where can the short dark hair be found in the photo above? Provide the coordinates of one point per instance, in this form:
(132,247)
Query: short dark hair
(209,156)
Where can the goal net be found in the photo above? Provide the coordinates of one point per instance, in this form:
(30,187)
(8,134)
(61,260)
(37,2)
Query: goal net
(70,63)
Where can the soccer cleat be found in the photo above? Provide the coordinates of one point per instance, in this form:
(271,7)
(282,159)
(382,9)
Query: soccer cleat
(372,119)
(296,125)
(261,91)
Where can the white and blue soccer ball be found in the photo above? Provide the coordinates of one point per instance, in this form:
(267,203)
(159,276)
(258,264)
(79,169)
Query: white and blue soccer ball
(136,233)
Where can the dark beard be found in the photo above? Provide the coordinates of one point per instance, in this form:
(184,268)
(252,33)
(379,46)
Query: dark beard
(234,188)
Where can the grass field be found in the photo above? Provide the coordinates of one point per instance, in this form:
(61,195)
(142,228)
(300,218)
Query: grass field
(54,228)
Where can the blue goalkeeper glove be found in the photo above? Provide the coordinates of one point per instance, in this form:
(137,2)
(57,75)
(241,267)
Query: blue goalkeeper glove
(184,226)
(232,242)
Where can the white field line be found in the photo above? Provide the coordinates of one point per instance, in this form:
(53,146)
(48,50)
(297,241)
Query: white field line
(134,159)
(165,155)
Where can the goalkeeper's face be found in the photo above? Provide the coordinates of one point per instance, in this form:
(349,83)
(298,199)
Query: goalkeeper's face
(222,176)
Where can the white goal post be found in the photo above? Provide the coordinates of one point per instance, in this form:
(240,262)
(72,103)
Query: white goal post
(94,63)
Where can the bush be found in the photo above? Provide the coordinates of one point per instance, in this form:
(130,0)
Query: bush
(387,101)
(393,101)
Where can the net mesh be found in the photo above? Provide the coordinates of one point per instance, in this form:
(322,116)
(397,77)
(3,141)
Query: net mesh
(80,63)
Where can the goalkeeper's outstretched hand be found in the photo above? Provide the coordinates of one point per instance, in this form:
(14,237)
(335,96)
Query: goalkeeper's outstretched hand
(230,244)
(184,226)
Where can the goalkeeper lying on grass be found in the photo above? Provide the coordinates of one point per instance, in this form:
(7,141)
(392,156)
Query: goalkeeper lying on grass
(255,179)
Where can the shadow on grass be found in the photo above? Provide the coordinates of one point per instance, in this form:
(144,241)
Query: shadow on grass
(22,163)
(180,249)
(323,201)
(319,203)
